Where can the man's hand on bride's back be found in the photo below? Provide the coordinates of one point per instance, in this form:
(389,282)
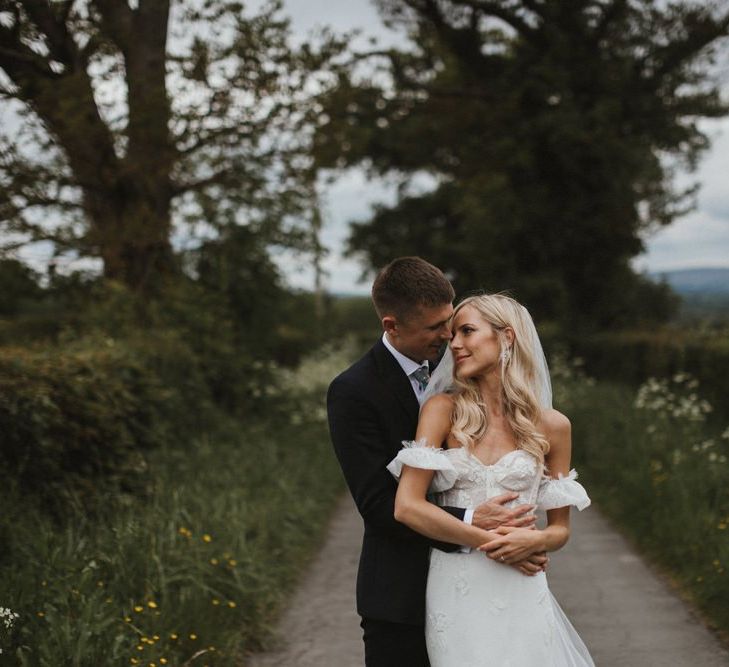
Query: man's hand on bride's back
(492,513)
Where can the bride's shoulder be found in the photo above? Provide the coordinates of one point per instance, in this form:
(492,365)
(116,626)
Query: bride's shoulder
(435,417)
(554,423)
(438,404)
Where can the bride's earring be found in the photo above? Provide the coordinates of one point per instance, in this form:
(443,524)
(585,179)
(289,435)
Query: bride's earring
(505,356)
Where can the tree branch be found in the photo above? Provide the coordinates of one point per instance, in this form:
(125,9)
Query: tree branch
(59,42)
(117,19)
(499,11)
(705,31)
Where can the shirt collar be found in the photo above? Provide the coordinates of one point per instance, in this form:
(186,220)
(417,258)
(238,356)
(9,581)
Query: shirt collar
(407,364)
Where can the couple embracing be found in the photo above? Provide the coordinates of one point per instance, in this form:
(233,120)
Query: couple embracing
(446,465)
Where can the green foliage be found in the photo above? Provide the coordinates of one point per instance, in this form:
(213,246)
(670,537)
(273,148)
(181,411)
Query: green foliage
(352,316)
(660,470)
(208,127)
(111,378)
(77,423)
(18,283)
(545,126)
(202,565)
(633,356)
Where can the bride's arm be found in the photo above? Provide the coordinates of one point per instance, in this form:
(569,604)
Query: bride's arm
(411,505)
(516,544)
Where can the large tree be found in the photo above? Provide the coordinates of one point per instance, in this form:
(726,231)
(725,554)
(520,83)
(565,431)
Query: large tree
(131,117)
(552,130)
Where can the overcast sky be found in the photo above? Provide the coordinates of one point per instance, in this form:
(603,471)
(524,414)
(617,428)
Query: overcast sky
(700,239)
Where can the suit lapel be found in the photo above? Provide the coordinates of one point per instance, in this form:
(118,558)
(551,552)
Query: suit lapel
(396,381)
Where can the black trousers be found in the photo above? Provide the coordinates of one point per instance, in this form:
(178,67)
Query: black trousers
(393,644)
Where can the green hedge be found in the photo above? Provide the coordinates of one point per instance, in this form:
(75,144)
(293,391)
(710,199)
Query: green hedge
(75,423)
(633,356)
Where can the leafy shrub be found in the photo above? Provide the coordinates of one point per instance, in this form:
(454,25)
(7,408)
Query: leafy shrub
(73,423)
(633,356)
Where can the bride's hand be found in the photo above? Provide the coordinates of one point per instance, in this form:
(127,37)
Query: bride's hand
(534,564)
(513,544)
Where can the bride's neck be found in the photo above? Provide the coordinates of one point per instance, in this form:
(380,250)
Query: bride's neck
(490,388)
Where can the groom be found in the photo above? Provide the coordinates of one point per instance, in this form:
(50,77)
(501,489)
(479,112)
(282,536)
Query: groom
(373,406)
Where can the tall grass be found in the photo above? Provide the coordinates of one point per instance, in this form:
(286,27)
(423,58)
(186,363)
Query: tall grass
(195,573)
(659,467)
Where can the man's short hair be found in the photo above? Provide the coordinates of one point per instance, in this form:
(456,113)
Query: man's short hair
(409,283)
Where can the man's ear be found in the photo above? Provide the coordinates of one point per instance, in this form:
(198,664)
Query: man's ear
(389,324)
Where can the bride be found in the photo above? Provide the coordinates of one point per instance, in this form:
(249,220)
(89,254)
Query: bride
(491,410)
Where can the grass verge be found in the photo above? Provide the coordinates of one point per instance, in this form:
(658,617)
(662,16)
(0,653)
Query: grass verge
(659,468)
(193,575)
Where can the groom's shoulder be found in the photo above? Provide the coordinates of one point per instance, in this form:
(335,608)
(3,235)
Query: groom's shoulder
(355,374)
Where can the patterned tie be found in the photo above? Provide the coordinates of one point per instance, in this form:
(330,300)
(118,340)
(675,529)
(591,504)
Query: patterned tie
(421,375)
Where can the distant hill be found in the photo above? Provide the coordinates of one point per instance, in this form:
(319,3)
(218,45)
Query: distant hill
(696,281)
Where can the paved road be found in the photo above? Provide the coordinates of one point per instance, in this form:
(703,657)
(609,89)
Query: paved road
(625,614)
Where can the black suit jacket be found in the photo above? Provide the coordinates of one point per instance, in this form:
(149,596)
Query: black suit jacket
(372,408)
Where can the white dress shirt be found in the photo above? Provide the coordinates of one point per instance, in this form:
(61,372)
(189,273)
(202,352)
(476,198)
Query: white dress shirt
(408,366)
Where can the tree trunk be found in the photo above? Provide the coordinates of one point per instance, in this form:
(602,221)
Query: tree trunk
(126,199)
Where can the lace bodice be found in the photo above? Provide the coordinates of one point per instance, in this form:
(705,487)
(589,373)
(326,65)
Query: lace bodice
(462,480)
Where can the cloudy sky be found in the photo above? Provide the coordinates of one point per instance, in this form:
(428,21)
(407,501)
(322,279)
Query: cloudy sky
(701,239)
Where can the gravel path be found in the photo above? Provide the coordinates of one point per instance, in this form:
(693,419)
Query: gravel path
(626,615)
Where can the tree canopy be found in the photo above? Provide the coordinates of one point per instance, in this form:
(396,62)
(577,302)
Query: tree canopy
(136,121)
(553,130)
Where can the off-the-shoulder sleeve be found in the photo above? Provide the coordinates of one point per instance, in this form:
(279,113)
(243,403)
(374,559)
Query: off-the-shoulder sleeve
(418,454)
(562,492)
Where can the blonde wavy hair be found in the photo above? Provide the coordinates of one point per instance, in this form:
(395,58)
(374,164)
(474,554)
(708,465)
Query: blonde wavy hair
(518,364)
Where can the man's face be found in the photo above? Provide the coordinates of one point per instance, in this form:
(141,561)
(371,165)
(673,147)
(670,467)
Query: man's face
(422,334)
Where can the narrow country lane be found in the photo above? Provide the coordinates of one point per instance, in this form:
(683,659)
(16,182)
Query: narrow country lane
(626,615)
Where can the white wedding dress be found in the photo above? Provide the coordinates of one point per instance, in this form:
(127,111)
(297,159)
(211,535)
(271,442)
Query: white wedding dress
(479,612)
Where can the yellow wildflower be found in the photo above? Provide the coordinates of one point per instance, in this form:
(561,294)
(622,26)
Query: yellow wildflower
(152,604)
(232,562)
(193,636)
(231,604)
(139,608)
(213,561)
(216,602)
(163,661)
(41,614)
(207,538)
(173,635)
